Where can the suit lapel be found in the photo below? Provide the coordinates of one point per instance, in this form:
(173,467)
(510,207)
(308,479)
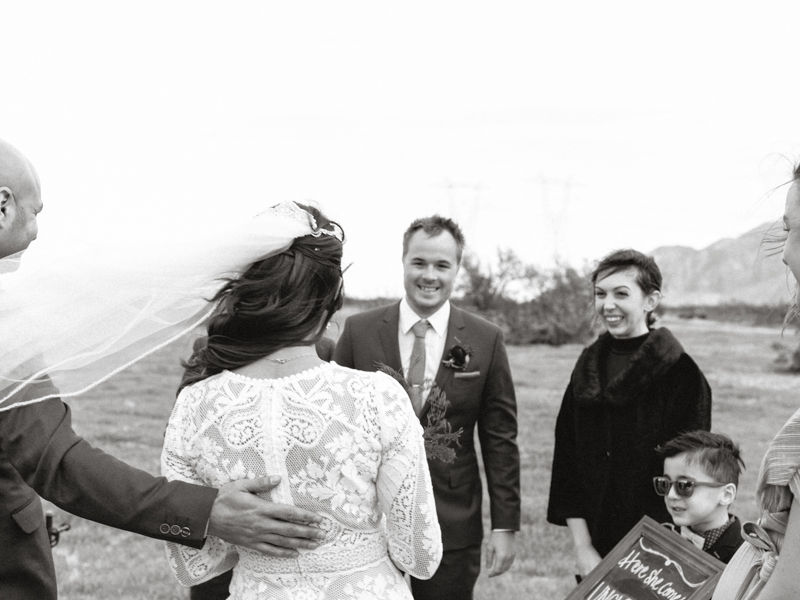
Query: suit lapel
(444,376)
(388,330)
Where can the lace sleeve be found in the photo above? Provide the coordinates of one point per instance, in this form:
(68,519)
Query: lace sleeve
(181,448)
(405,494)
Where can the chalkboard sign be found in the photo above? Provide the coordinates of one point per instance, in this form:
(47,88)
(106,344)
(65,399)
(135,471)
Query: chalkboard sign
(652,563)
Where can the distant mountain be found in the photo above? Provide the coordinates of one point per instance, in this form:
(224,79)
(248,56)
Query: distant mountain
(730,270)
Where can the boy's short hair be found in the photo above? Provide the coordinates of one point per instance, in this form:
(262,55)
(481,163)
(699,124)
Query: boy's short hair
(716,453)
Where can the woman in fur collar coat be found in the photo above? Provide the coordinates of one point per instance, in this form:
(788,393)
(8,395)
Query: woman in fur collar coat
(631,390)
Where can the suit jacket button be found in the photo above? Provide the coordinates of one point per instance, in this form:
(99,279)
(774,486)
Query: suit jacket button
(186,532)
(164,528)
(175,530)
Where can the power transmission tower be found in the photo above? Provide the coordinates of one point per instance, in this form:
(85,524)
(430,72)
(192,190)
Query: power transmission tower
(556,212)
(462,209)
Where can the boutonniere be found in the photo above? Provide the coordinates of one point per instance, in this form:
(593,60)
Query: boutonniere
(457,357)
(438,434)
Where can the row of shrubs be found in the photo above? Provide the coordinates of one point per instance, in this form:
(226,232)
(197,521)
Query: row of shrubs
(554,306)
(747,314)
(559,313)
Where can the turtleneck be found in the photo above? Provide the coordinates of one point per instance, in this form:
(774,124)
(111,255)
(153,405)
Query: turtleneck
(619,355)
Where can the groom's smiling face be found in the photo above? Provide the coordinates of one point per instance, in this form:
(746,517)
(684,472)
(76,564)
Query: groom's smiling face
(430,266)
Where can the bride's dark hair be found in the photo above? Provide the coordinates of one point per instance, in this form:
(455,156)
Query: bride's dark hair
(284,300)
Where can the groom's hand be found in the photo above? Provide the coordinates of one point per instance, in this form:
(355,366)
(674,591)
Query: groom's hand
(500,552)
(240,517)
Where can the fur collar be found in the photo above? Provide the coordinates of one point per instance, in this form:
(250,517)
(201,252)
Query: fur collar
(659,352)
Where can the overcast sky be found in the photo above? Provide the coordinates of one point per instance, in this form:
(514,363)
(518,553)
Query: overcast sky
(567,128)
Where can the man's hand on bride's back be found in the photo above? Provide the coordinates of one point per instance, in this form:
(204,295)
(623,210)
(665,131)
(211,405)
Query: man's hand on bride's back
(240,517)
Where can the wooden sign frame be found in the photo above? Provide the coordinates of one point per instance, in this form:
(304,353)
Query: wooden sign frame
(654,543)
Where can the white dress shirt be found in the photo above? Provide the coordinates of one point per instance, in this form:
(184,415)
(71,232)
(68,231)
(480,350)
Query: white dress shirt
(435,338)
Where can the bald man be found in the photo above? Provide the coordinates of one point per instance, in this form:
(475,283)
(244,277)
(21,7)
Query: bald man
(39,452)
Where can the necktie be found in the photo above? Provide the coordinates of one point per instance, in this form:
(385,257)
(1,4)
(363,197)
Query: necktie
(416,366)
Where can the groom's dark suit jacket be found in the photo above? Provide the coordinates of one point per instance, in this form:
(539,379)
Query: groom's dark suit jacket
(39,452)
(482,395)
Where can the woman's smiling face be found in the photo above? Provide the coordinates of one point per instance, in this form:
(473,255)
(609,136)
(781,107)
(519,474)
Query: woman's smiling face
(621,303)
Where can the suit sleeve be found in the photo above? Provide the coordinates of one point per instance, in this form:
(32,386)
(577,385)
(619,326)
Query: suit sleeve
(497,430)
(65,469)
(343,355)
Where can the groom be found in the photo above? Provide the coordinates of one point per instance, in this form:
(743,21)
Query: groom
(419,335)
(40,453)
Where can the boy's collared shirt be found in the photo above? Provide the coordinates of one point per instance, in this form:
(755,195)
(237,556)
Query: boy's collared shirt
(712,535)
(704,540)
(698,541)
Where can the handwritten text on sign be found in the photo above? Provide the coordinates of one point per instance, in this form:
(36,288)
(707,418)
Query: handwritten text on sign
(647,573)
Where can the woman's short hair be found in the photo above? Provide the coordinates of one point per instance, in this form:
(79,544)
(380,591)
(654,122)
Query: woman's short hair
(281,301)
(648,275)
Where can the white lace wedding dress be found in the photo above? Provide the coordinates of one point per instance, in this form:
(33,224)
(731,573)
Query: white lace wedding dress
(347,446)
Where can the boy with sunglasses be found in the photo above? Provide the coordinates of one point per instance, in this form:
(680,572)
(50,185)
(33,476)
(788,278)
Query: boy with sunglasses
(701,473)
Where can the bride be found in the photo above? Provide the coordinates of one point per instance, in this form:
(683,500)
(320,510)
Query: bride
(256,400)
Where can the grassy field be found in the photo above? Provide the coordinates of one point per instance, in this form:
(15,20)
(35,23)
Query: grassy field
(126,417)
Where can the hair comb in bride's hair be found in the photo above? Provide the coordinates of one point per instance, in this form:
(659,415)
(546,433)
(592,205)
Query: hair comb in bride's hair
(298,212)
(335,230)
(289,209)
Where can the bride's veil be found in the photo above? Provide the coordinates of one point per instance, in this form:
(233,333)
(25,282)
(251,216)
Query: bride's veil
(77,313)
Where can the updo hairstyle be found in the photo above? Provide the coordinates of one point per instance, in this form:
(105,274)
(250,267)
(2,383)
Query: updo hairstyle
(278,302)
(648,274)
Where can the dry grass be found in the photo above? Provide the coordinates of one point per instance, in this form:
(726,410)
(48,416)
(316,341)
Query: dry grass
(127,418)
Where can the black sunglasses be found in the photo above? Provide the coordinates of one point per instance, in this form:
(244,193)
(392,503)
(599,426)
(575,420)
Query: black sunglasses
(684,487)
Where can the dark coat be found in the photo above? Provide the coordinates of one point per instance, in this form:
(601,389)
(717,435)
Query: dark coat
(728,543)
(604,458)
(482,396)
(40,452)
